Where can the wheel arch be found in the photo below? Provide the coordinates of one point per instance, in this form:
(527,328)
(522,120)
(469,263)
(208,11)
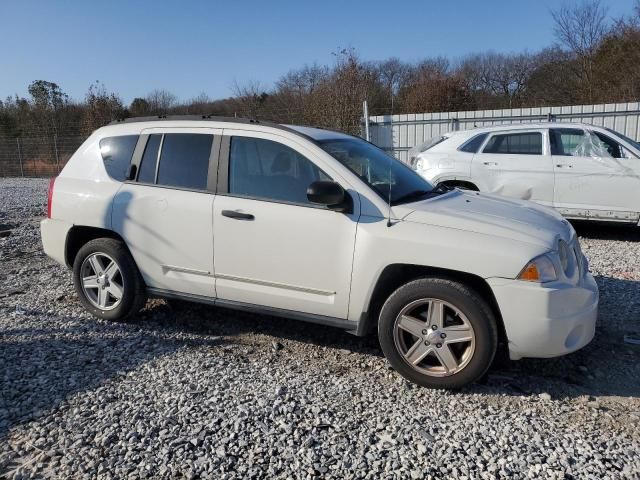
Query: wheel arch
(79,235)
(460,183)
(395,275)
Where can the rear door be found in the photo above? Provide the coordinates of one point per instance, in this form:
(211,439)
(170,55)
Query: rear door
(596,177)
(516,164)
(165,215)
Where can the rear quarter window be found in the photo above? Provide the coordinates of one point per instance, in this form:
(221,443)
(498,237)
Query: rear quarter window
(116,155)
(473,144)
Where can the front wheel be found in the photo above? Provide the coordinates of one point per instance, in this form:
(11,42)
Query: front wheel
(438,333)
(107,280)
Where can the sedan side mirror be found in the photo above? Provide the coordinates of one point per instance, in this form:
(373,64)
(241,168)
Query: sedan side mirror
(331,194)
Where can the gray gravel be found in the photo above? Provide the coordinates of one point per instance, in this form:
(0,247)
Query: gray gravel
(210,393)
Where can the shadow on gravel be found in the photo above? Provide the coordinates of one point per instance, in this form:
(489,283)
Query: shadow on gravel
(41,367)
(607,231)
(606,367)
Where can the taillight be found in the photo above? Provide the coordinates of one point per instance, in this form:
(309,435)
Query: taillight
(50,196)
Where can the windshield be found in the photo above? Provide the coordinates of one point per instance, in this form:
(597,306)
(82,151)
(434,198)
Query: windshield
(633,143)
(380,171)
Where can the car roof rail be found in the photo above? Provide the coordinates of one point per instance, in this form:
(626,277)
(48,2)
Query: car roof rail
(210,117)
(159,118)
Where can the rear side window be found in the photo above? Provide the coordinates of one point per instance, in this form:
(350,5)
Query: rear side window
(184,160)
(472,145)
(568,142)
(116,154)
(529,143)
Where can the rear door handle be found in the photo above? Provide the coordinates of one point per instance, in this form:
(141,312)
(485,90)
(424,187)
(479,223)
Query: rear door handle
(237,215)
(561,165)
(491,164)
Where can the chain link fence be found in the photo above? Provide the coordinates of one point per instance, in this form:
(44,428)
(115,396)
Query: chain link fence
(36,156)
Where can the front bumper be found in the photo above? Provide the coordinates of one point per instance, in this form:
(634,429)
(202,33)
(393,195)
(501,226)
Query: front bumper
(54,238)
(546,320)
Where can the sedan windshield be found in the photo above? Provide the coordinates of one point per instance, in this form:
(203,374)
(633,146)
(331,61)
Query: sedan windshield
(383,173)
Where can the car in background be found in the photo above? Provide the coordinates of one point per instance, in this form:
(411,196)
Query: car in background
(583,171)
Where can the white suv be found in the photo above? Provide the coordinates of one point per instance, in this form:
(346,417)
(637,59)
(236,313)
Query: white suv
(322,227)
(583,171)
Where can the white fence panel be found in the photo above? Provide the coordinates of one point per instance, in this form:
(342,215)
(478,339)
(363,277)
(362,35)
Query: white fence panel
(399,133)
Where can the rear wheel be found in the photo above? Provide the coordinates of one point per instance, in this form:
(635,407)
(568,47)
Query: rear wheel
(107,280)
(438,333)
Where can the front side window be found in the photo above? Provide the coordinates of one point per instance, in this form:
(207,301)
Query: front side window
(613,148)
(526,143)
(184,160)
(631,142)
(384,174)
(578,143)
(116,154)
(269,170)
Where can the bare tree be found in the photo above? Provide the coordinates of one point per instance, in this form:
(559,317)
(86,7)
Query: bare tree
(497,76)
(161,101)
(250,98)
(581,28)
(392,73)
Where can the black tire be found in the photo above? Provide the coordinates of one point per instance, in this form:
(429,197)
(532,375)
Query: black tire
(468,302)
(134,293)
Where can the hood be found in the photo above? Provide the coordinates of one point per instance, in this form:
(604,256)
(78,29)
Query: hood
(487,214)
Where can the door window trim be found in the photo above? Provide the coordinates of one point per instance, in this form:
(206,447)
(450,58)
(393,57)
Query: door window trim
(223,174)
(212,172)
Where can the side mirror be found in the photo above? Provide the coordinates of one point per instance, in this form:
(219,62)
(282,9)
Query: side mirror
(331,194)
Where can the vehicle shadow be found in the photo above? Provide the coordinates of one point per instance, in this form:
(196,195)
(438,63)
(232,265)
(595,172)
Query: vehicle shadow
(41,367)
(606,367)
(606,231)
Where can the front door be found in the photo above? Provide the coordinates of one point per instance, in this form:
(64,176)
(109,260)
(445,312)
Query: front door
(165,214)
(596,177)
(272,247)
(516,164)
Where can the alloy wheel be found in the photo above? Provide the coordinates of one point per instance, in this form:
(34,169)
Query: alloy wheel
(434,337)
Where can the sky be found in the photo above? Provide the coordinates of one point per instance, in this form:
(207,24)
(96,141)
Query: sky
(192,47)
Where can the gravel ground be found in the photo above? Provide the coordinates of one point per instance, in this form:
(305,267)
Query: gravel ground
(210,393)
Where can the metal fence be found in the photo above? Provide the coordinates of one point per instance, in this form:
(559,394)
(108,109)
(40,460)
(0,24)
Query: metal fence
(399,133)
(36,156)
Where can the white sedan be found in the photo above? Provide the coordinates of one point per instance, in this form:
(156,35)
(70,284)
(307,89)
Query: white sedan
(583,171)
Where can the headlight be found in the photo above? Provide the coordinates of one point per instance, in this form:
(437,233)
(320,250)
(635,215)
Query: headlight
(540,269)
(418,164)
(567,258)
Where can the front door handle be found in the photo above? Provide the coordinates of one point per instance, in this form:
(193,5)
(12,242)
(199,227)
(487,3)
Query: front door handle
(237,215)
(491,164)
(561,165)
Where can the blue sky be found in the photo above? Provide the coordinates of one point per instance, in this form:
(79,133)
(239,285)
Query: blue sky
(189,47)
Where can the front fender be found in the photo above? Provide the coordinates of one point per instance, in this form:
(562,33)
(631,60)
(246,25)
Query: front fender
(445,248)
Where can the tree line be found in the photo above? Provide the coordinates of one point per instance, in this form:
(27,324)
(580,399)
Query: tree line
(594,59)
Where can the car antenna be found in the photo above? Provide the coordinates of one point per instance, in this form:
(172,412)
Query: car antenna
(389,197)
